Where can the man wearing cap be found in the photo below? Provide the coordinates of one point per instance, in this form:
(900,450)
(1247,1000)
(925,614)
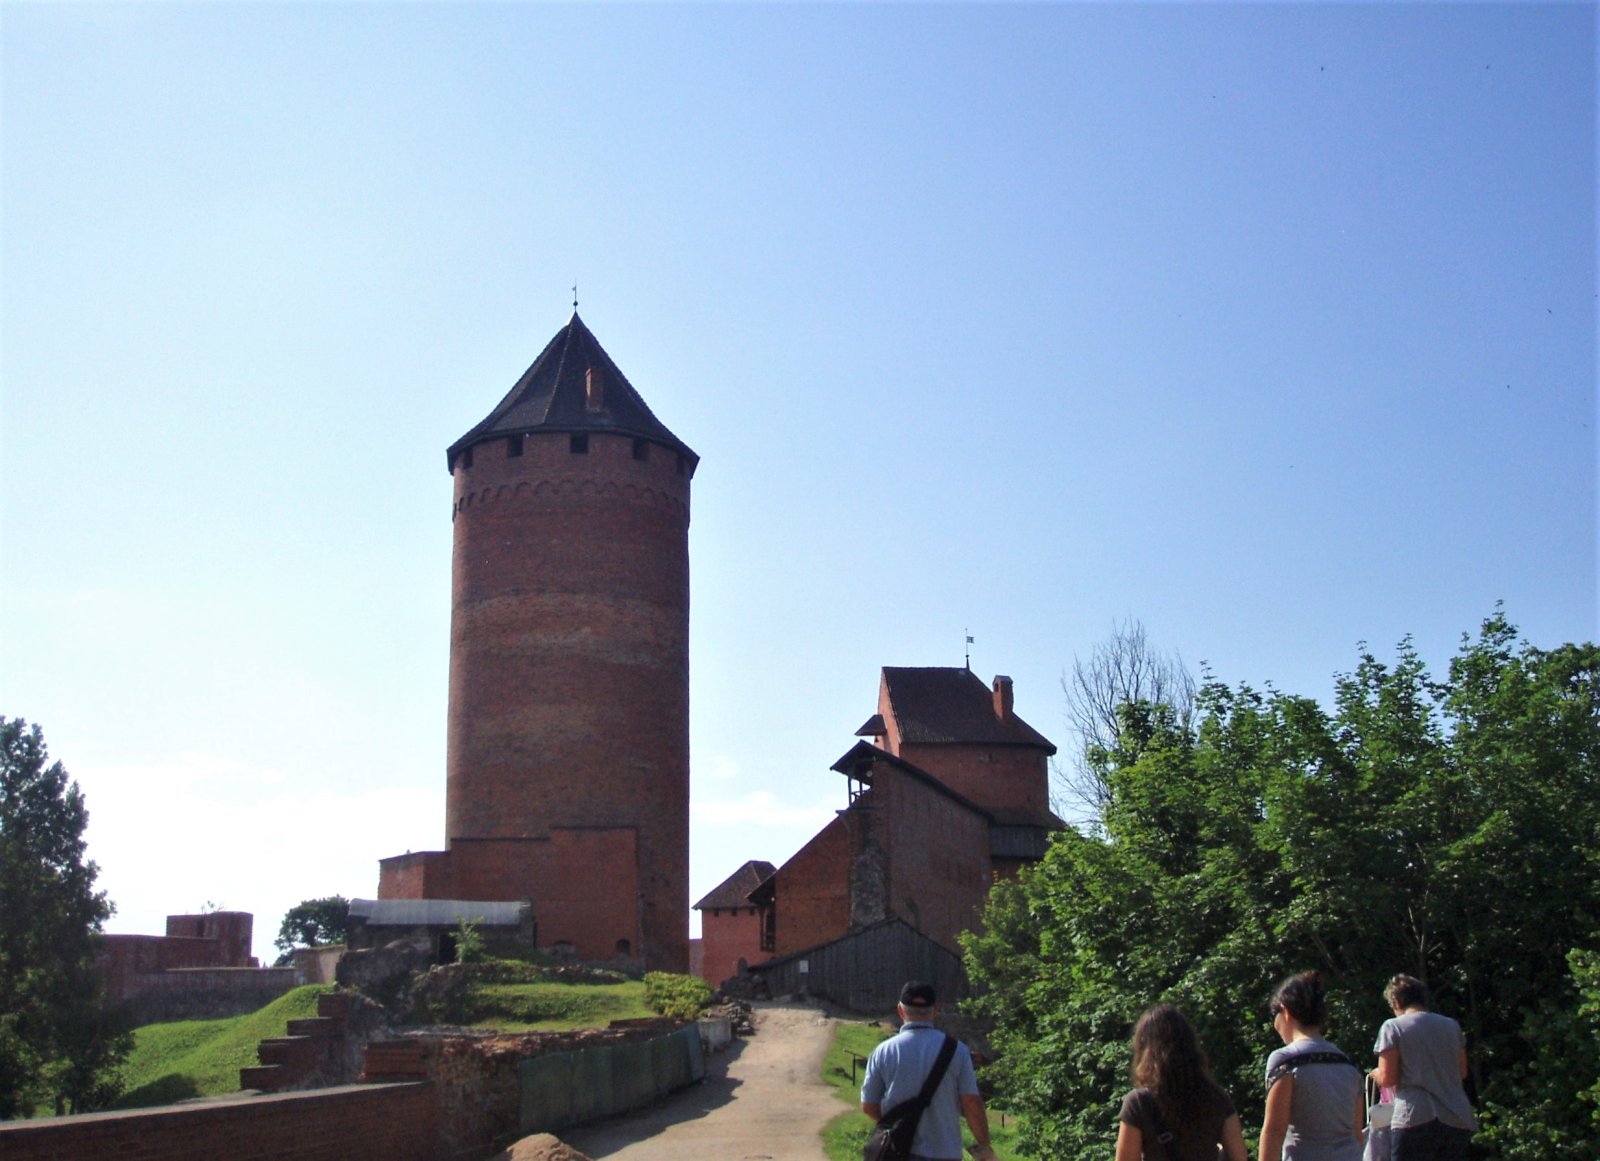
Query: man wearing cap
(898,1067)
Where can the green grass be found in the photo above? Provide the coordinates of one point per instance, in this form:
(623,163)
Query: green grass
(843,1137)
(550,1007)
(191,1058)
(194,1058)
(842,1067)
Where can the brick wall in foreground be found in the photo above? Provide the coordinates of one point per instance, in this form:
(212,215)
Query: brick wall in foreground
(362,1122)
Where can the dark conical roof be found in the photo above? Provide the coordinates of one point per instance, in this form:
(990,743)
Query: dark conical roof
(550,396)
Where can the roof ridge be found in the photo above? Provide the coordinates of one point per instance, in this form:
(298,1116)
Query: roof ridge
(561,364)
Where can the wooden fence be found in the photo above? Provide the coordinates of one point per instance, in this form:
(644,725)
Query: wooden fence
(863,971)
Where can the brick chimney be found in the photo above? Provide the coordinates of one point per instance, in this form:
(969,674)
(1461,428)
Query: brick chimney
(594,389)
(1002,697)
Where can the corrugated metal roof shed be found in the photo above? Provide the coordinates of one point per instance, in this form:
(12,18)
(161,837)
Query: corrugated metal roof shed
(435,912)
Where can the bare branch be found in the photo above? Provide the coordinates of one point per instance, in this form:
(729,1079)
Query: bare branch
(1121,670)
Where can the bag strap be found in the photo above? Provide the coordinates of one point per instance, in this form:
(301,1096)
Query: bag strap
(1163,1134)
(941,1064)
(1284,1067)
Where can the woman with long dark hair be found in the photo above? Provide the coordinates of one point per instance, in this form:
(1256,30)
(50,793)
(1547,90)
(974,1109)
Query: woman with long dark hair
(1315,1105)
(1175,1112)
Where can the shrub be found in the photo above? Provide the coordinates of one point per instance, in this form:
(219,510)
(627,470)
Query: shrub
(681,997)
(469,941)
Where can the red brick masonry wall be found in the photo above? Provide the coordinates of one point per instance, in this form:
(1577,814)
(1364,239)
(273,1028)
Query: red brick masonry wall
(365,1122)
(569,668)
(727,935)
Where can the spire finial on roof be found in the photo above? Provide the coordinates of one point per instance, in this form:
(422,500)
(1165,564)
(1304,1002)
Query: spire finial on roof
(969,647)
(574,298)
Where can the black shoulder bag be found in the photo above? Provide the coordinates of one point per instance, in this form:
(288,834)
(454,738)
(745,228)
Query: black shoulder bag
(895,1131)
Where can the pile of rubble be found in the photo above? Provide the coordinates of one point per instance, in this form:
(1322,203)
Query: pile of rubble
(736,1012)
(541,1147)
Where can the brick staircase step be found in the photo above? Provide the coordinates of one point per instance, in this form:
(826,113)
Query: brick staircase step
(288,1050)
(266,1077)
(319,1027)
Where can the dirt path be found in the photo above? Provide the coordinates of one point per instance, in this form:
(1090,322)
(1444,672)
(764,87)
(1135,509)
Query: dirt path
(762,1100)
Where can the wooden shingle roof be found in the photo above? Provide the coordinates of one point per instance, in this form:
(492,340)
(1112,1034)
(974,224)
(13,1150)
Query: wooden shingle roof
(952,706)
(551,397)
(734,891)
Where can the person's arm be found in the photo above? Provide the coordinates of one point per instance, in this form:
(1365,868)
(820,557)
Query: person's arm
(1387,1074)
(1130,1142)
(873,1109)
(1233,1140)
(978,1121)
(1275,1122)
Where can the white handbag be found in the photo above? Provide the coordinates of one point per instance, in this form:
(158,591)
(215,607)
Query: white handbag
(1376,1145)
(1379,1113)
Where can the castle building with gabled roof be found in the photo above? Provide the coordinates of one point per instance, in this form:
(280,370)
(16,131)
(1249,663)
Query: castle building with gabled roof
(950,794)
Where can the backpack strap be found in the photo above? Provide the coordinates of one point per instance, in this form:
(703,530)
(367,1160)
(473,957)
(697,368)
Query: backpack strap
(1284,1067)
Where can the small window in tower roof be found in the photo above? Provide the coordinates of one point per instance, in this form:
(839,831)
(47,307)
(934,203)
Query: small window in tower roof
(594,389)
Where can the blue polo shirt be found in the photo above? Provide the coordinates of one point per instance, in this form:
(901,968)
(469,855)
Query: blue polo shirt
(895,1072)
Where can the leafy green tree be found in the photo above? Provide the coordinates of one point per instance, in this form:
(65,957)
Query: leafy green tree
(60,1044)
(313,923)
(1448,829)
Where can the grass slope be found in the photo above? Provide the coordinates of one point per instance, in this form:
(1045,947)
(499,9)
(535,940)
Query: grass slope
(552,1007)
(190,1058)
(193,1058)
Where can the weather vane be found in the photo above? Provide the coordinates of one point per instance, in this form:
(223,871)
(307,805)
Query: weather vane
(574,298)
(969,648)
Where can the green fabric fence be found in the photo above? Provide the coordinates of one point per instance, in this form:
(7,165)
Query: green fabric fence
(562,1089)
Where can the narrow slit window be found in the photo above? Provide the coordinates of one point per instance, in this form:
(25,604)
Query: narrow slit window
(580,443)
(641,449)
(513,447)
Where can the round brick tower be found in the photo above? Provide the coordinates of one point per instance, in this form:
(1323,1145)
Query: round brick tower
(568,750)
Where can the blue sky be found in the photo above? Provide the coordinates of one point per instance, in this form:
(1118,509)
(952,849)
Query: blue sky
(1271,326)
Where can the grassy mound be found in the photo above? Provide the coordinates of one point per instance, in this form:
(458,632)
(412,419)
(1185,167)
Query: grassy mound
(549,1007)
(190,1058)
(519,997)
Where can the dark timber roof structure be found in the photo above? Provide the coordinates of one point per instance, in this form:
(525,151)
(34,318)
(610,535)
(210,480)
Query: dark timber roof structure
(952,706)
(857,762)
(734,891)
(554,395)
